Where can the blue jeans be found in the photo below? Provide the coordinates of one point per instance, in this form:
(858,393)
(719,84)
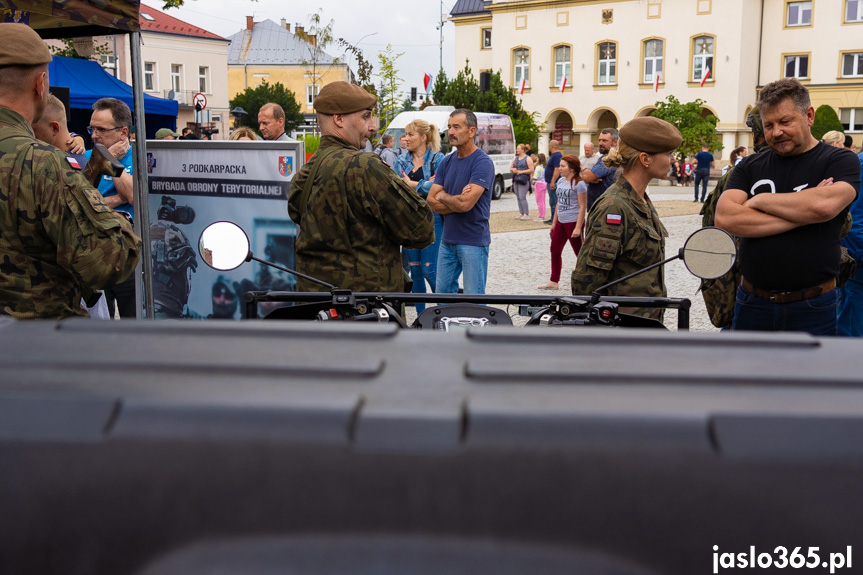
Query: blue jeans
(816,315)
(701,177)
(552,201)
(455,259)
(851,309)
(422,264)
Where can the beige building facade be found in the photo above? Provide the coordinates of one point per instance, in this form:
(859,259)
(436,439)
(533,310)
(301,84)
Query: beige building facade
(179,60)
(584,65)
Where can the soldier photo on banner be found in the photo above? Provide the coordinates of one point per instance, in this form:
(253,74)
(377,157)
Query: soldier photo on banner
(193,184)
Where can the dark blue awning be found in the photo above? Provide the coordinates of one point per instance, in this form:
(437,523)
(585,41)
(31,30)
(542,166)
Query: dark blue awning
(87,82)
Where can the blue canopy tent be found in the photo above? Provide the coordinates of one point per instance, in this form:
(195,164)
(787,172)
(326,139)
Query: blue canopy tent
(87,82)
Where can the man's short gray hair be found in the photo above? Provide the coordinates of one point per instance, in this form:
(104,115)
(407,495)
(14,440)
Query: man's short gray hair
(469,117)
(612,132)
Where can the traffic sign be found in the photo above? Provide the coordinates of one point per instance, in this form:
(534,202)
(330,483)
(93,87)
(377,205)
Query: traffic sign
(199,101)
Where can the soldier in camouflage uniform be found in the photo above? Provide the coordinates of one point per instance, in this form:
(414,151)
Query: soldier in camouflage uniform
(352,209)
(623,233)
(720,294)
(58,236)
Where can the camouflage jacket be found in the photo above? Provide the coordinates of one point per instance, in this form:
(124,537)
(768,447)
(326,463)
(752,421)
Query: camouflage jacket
(357,215)
(622,236)
(57,234)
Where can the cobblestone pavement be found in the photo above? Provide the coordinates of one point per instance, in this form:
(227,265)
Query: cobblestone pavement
(519,261)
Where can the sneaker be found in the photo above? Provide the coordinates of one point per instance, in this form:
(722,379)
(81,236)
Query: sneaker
(548,222)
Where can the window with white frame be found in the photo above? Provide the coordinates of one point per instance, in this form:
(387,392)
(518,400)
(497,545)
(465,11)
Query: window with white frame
(854,10)
(852,119)
(149,76)
(797,66)
(562,62)
(652,60)
(702,59)
(607,64)
(204,79)
(799,13)
(176,77)
(486,38)
(311,93)
(852,65)
(521,68)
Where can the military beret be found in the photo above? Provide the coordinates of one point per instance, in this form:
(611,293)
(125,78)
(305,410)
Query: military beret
(343,98)
(165,132)
(651,135)
(20,45)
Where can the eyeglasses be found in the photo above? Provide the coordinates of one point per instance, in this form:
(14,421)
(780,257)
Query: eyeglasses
(91,129)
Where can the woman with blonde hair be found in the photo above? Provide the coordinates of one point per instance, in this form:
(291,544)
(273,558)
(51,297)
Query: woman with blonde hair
(417,169)
(624,234)
(244,133)
(834,138)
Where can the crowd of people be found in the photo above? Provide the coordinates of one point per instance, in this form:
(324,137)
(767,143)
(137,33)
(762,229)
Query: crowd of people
(408,215)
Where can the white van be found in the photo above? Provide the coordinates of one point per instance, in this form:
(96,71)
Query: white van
(494,136)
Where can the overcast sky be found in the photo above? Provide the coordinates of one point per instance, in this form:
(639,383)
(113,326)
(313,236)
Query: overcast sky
(409,25)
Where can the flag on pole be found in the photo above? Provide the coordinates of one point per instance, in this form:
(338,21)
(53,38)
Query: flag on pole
(705,76)
(563,85)
(656,82)
(522,86)
(426,82)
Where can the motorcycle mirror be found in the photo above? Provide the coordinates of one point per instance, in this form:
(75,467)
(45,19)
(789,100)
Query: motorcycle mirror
(709,253)
(224,246)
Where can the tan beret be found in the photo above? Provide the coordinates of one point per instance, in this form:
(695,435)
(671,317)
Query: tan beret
(651,135)
(343,98)
(20,45)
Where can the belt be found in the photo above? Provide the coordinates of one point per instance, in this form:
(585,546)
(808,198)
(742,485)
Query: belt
(789,296)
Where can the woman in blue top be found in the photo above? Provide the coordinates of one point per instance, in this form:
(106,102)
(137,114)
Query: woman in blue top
(417,168)
(568,221)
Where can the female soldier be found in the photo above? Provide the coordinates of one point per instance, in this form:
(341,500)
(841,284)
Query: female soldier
(624,234)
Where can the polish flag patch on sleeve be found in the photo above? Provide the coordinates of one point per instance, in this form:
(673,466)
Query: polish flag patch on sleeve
(613,219)
(73,162)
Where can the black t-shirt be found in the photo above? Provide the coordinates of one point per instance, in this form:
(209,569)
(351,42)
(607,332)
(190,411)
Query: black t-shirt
(805,256)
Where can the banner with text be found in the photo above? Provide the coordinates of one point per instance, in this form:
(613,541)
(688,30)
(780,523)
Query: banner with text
(195,183)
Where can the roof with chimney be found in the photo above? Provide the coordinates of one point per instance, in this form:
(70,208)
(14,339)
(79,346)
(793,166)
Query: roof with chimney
(470,7)
(153,20)
(270,43)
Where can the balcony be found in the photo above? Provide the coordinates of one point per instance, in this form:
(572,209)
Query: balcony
(183,97)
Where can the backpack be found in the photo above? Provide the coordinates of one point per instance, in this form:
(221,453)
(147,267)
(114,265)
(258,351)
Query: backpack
(719,294)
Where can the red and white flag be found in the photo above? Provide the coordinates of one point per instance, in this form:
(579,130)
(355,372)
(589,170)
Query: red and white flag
(656,82)
(426,82)
(521,91)
(563,84)
(705,76)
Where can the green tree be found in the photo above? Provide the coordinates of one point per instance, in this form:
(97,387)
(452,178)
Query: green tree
(364,67)
(826,120)
(253,98)
(695,127)
(317,37)
(408,105)
(463,92)
(390,83)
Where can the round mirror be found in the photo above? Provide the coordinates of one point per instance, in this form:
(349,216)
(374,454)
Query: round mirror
(224,246)
(709,253)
